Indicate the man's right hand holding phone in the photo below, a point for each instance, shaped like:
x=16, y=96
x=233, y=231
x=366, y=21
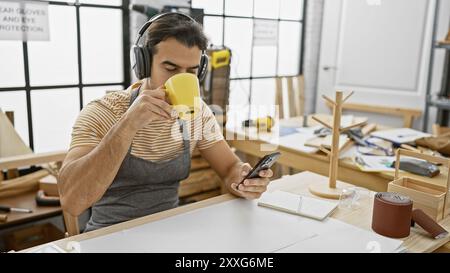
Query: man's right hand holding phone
x=249, y=188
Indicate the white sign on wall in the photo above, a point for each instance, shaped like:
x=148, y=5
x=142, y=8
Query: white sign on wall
x=265, y=32
x=24, y=21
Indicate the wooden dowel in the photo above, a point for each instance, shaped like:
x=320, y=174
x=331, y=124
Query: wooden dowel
x=348, y=96
x=334, y=155
x=322, y=122
x=329, y=100
x=325, y=150
x=411, y=148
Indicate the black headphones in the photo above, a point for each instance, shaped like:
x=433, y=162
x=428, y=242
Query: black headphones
x=141, y=56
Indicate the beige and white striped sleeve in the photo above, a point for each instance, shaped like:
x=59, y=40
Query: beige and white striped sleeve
x=92, y=124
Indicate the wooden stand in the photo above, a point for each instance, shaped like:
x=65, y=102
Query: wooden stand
x=332, y=191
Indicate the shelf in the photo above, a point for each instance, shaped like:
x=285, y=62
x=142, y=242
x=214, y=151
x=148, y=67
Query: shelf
x=444, y=46
x=440, y=102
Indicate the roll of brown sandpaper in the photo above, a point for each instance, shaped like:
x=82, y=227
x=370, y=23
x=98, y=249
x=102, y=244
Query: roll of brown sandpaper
x=392, y=214
x=3, y=217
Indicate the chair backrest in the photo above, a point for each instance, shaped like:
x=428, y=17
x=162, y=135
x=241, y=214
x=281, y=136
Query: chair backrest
x=407, y=114
x=70, y=221
x=295, y=93
x=71, y=224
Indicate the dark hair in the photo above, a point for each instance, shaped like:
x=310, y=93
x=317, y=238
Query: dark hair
x=184, y=30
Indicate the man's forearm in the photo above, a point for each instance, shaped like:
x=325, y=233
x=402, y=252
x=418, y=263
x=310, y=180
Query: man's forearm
x=85, y=180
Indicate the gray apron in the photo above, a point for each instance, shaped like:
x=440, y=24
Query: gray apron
x=141, y=187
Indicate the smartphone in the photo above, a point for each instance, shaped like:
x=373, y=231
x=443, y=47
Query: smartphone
x=264, y=164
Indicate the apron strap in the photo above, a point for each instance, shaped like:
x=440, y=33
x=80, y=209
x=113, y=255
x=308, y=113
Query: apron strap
x=134, y=95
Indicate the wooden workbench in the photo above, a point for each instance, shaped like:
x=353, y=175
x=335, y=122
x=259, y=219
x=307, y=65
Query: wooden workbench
x=417, y=241
x=319, y=163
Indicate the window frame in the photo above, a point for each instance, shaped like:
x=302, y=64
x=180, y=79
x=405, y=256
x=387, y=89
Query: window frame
x=126, y=60
x=278, y=20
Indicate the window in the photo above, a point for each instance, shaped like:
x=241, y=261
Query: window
x=48, y=82
x=254, y=66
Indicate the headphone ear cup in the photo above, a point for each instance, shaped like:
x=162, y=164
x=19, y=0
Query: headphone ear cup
x=147, y=62
x=136, y=60
x=203, y=68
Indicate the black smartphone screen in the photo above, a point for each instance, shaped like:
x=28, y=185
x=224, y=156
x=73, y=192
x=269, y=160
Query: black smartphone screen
x=265, y=163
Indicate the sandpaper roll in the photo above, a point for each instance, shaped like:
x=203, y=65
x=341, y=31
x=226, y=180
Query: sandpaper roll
x=428, y=224
x=392, y=214
x=3, y=217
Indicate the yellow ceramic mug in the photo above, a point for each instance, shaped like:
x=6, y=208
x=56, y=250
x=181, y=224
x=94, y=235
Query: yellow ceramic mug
x=183, y=91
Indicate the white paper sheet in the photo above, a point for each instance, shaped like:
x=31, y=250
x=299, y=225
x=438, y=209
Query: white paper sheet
x=237, y=226
x=233, y=226
x=374, y=163
x=298, y=204
x=344, y=238
x=400, y=135
x=296, y=141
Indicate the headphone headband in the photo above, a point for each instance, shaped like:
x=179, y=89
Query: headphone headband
x=157, y=17
x=141, y=56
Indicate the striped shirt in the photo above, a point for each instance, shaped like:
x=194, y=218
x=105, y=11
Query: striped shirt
x=157, y=141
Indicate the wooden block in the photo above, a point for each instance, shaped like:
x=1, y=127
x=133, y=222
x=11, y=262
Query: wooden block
x=200, y=197
x=198, y=182
x=12, y=173
x=443, y=249
x=3, y=217
x=31, y=159
x=196, y=153
x=198, y=164
x=327, y=141
x=49, y=185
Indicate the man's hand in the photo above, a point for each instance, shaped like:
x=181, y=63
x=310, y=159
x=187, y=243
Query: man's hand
x=250, y=188
x=149, y=106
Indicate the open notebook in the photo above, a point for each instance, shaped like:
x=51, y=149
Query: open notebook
x=298, y=204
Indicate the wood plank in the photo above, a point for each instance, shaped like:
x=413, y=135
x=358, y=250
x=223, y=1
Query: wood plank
x=198, y=164
x=291, y=97
x=31, y=159
x=25, y=183
x=12, y=173
x=397, y=111
x=201, y=196
x=199, y=181
x=195, y=153
x=279, y=96
x=443, y=249
x=301, y=94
